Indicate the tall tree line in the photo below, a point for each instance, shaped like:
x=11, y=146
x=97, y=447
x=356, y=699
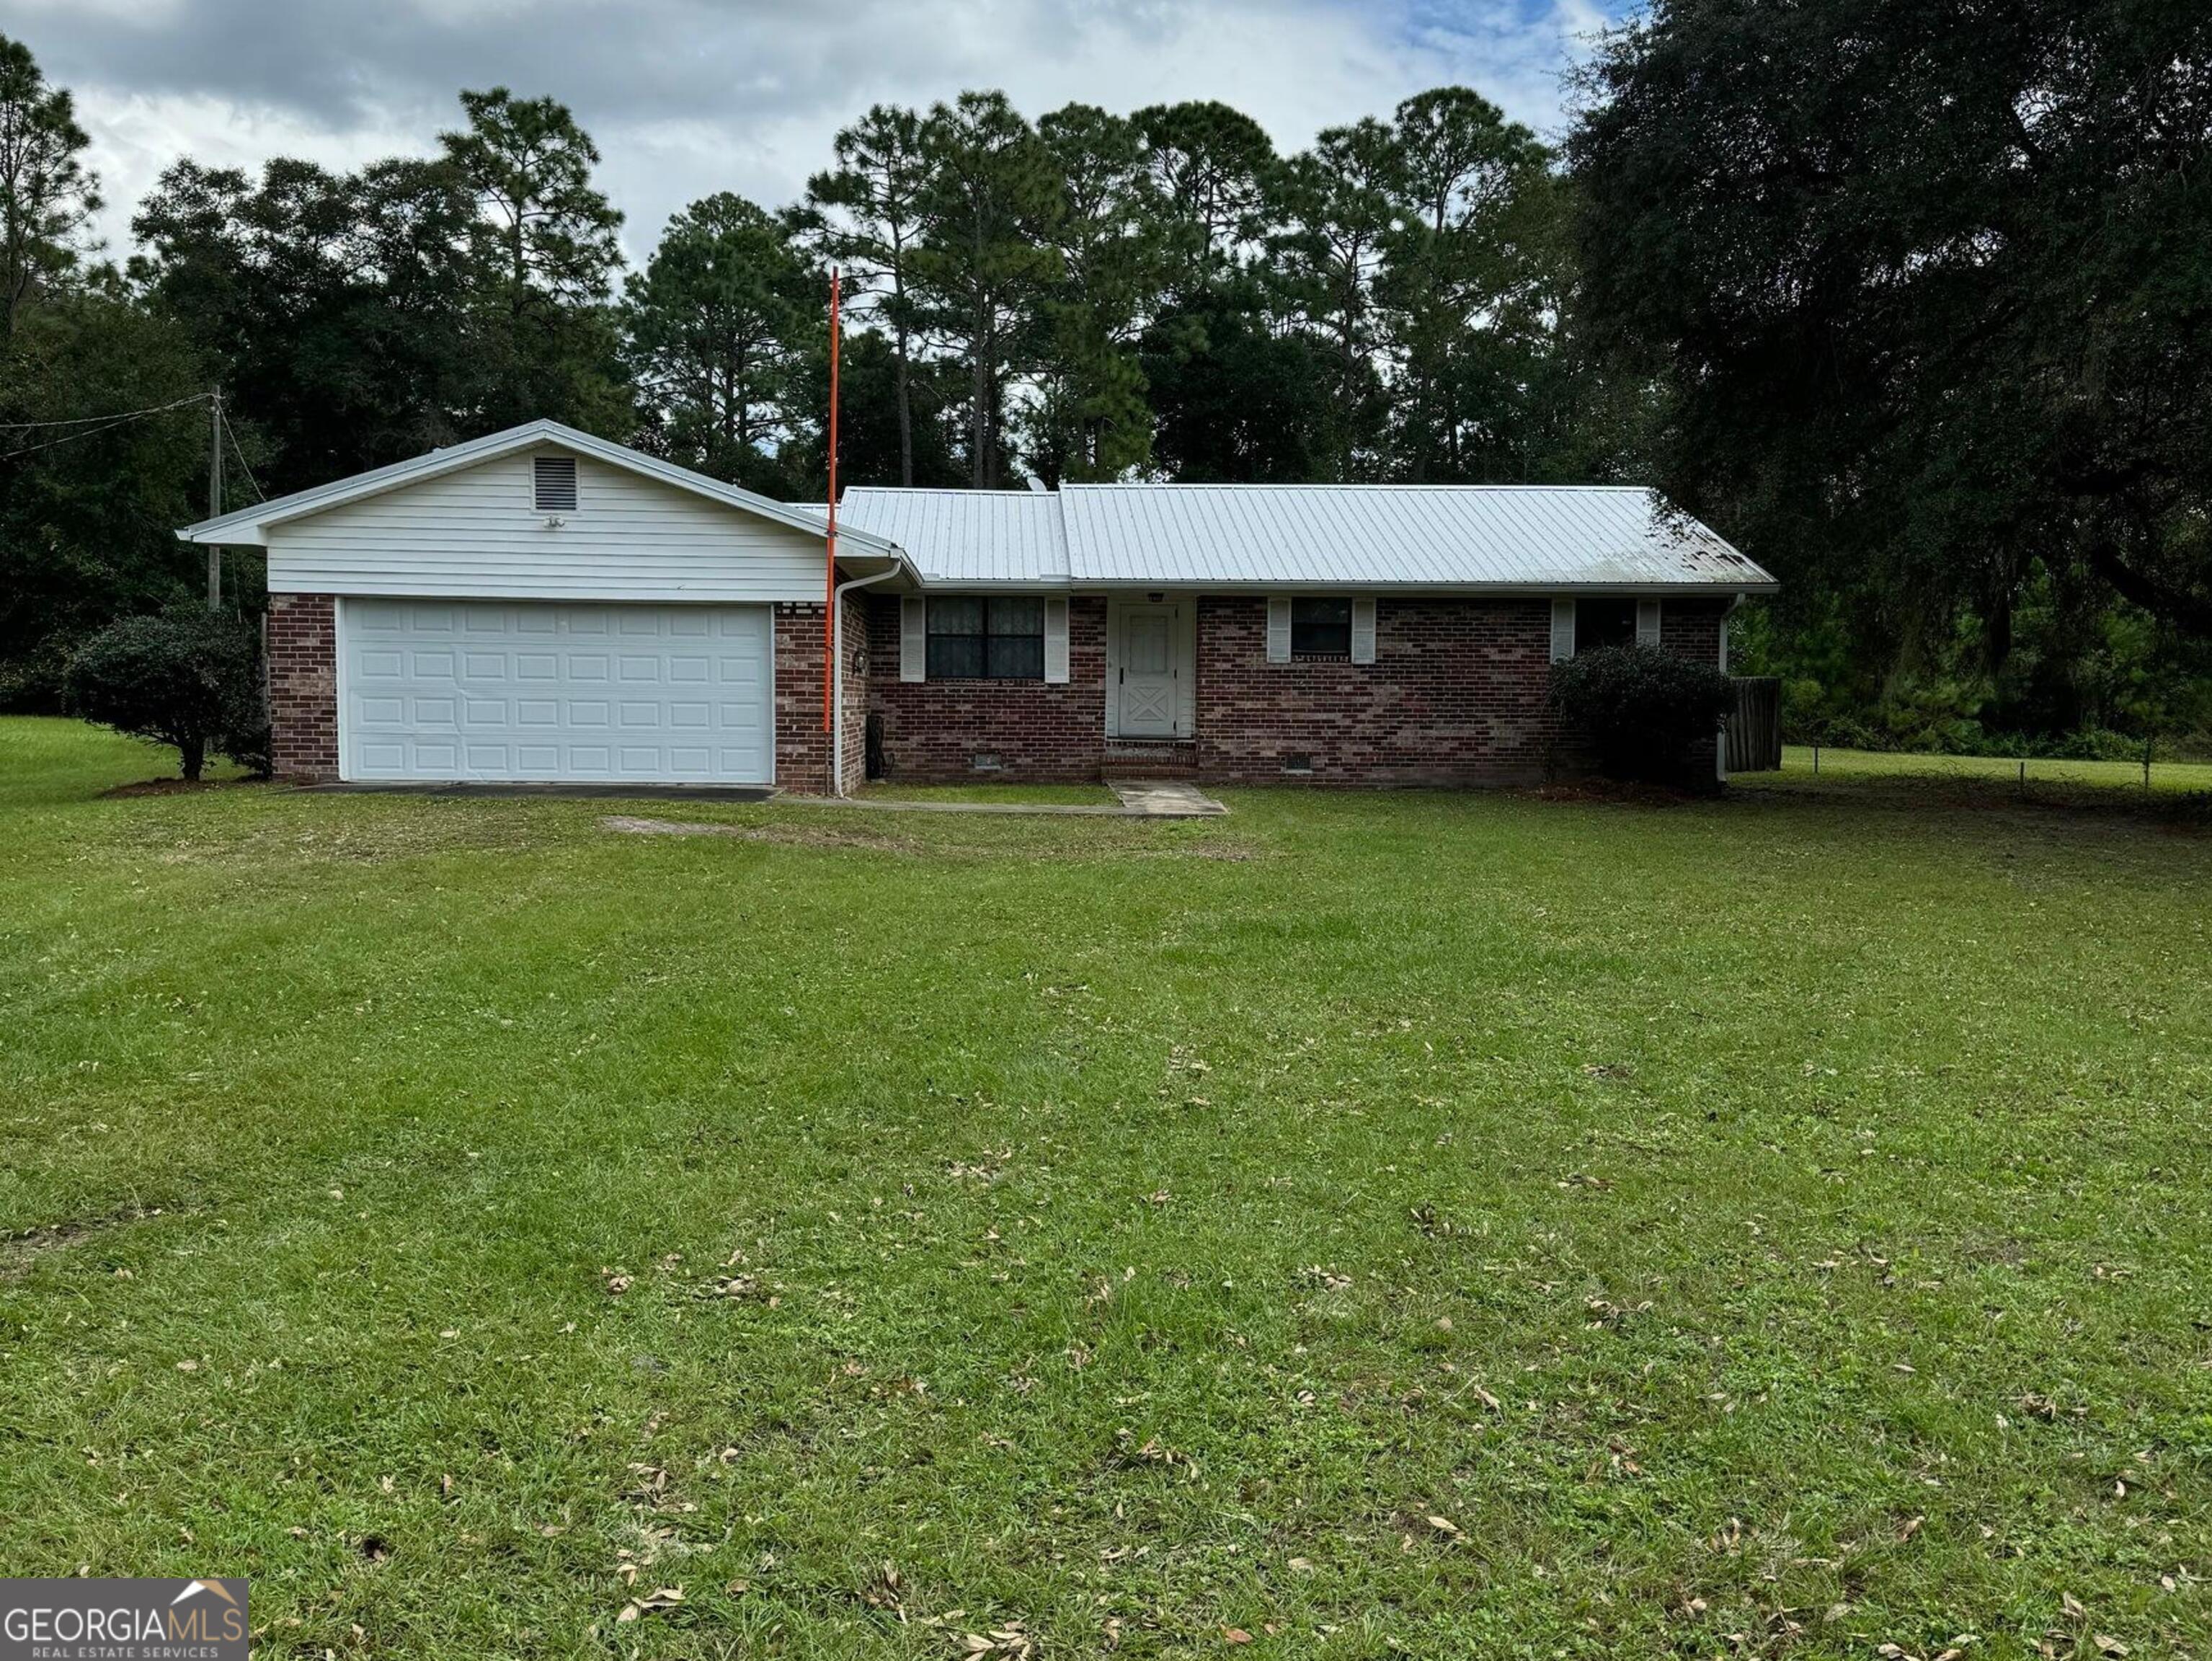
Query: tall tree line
x=1920, y=322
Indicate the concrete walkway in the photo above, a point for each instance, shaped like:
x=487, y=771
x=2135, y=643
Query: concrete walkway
x=1139, y=799
x=1165, y=799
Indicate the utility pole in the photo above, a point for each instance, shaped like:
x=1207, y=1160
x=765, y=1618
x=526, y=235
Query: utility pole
x=214, y=496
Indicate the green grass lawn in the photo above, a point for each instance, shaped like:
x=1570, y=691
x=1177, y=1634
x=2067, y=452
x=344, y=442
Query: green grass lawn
x=1373, y=1225
x=2184, y=777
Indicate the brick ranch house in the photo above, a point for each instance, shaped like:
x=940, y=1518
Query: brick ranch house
x=540, y=606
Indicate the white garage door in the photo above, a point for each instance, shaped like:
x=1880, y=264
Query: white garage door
x=540, y=692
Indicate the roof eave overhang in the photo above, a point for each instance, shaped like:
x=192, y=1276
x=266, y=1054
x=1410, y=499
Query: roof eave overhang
x=250, y=527
x=1186, y=585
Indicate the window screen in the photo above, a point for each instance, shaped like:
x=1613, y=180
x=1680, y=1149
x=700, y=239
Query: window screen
x=555, y=479
x=1321, y=628
x=972, y=639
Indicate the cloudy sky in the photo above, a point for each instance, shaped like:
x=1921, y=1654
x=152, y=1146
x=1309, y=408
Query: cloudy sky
x=685, y=97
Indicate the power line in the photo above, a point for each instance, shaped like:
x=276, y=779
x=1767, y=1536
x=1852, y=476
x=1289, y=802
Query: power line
x=71, y=438
x=223, y=415
x=87, y=421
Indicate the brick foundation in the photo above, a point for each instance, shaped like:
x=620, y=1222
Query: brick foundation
x=303, y=688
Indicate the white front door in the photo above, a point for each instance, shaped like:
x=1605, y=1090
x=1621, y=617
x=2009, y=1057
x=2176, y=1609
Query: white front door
x=550, y=692
x=1147, y=671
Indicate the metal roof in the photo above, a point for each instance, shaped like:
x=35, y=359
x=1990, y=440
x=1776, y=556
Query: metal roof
x=965, y=536
x=1528, y=538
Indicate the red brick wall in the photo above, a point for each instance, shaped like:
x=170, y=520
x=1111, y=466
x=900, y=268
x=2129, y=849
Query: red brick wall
x=1692, y=627
x=303, y=687
x=1456, y=695
x=934, y=730
x=802, y=748
x=802, y=752
x=858, y=646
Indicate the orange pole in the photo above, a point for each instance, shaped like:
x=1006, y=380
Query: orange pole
x=829, y=572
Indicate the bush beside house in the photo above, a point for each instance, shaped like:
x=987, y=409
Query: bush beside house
x=1648, y=715
x=190, y=680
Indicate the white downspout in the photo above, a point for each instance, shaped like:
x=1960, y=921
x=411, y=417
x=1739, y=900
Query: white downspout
x=1720, y=745
x=834, y=624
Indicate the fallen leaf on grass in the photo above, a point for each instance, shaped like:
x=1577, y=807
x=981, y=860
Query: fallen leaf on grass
x=1235, y=1635
x=662, y=1597
x=2108, y=1645
x=1150, y=1451
x=1009, y=1642
x=1910, y=1527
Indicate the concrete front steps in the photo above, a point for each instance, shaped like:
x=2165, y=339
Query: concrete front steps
x=1149, y=758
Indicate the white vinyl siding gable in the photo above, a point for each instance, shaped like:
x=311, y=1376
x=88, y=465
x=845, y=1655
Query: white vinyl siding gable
x=478, y=533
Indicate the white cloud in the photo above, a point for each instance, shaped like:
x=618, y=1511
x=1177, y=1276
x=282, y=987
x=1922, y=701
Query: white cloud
x=686, y=97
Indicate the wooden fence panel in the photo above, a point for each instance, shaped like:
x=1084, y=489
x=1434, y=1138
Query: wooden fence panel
x=1754, y=728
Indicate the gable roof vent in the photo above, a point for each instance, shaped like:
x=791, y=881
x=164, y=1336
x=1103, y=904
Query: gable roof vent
x=555, y=480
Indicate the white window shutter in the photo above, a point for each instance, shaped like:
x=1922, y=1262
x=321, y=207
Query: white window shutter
x=914, y=637
x=1647, y=623
x=1563, y=631
x=1363, y=631
x=1278, y=630
x=1055, y=642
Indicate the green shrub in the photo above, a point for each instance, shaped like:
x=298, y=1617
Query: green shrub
x=1642, y=710
x=191, y=680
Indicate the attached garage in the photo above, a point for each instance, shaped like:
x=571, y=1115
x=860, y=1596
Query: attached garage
x=540, y=606
x=538, y=692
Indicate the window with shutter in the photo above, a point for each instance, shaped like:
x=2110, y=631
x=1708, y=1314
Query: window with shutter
x=1599, y=623
x=976, y=639
x=554, y=482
